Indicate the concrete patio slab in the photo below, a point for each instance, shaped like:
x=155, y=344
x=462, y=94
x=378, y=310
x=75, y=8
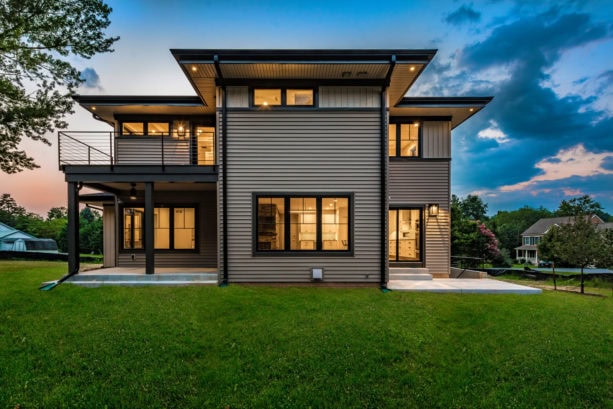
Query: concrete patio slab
x=468, y=286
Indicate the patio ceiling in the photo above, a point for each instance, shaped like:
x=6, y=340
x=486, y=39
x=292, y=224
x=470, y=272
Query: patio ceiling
x=396, y=68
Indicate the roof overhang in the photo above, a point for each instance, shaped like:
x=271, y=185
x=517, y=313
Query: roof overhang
x=395, y=69
x=106, y=107
x=459, y=109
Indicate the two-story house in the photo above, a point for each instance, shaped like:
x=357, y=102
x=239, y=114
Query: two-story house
x=528, y=252
x=288, y=166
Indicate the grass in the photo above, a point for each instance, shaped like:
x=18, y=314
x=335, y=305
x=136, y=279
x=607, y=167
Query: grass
x=249, y=347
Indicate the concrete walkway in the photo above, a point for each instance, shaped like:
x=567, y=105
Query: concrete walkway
x=464, y=285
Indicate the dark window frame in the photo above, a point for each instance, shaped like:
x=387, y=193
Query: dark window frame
x=145, y=128
x=284, y=104
x=422, y=235
x=172, y=206
x=404, y=121
x=318, y=251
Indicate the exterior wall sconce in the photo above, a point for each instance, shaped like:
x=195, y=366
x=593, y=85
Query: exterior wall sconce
x=133, y=192
x=433, y=210
x=181, y=130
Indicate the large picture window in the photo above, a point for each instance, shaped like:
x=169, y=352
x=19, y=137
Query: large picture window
x=310, y=223
x=145, y=128
x=174, y=228
x=404, y=140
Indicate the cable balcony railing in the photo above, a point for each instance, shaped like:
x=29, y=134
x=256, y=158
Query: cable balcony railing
x=110, y=148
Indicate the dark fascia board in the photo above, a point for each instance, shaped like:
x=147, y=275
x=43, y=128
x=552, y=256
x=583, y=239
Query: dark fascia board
x=431, y=102
x=174, y=100
x=304, y=56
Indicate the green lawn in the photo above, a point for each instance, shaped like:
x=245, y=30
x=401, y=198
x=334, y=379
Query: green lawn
x=249, y=347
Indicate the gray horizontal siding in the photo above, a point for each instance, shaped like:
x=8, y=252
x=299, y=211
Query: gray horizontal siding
x=436, y=139
x=205, y=255
x=421, y=183
x=349, y=97
x=311, y=152
x=148, y=150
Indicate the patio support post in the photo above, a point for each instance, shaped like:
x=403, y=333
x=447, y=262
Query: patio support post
x=73, y=228
x=149, y=240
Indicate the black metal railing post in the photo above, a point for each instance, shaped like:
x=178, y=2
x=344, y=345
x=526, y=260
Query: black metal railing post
x=163, y=161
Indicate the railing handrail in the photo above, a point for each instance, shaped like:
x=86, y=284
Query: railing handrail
x=88, y=146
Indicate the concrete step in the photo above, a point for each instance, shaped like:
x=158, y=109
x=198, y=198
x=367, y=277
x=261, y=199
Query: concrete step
x=405, y=273
x=94, y=280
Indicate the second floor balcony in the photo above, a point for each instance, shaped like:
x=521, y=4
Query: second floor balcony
x=110, y=148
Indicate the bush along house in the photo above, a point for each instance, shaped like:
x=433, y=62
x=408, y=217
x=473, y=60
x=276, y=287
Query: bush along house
x=288, y=166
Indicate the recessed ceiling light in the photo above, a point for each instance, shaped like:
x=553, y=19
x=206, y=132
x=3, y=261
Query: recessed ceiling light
x=471, y=109
x=412, y=68
x=194, y=68
x=93, y=108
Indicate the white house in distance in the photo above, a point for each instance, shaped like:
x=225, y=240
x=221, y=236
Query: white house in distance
x=286, y=166
x=531, y=237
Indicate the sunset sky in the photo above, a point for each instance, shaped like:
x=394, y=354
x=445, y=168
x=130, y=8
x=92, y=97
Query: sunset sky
x=546, y=136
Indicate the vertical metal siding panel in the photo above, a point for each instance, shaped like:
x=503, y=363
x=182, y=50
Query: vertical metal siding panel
x=436, y=139
x=421, y=183
x=293, y=152
x=349, y=97
x=108, y=234
x=238, y=97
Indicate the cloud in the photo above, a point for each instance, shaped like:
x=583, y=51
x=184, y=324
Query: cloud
x=90, y=78
x=463, y=15
x=493, y=132
x=575, y=161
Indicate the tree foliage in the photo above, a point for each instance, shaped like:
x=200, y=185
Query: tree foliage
x=37, y=38
x=509, y=225
x=55, y=226
x=470, y=237
x=583, y=205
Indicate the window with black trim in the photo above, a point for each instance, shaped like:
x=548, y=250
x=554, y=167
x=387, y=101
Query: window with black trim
x=404, y=140
x=174, y=228
x=309, y=223
x=142, y=128
x=290, y=97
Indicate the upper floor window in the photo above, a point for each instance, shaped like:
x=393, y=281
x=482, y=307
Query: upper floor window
x=263, y=97
x=531, y=240
x=404, y=140
x=145, y=128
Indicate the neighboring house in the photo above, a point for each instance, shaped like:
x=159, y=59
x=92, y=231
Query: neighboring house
x=528, y=251
x=288, y=166
x=15, y=240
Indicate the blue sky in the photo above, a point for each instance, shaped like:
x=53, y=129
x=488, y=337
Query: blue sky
x=549, y=65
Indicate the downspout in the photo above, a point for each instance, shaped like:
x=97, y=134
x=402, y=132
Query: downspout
x=224, y=170
x=73, y=230
x=384, y=166
x=224, y=186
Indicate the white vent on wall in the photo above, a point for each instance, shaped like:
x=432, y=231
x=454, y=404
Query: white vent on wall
x=317, y=273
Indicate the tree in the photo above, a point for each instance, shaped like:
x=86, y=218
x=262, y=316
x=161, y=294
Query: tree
x=37, y=38
x=509, y=225
x=577, y=206
x=550, y=249
x=57, y=213
x=10, y=211
x=90, y=231
x=473, y=208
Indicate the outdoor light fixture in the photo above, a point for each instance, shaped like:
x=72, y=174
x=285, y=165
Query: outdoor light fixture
x=433, y=210
x=181, y=130
x=133, y=192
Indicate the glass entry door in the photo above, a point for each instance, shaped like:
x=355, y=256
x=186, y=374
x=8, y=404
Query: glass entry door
x=404, y=235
